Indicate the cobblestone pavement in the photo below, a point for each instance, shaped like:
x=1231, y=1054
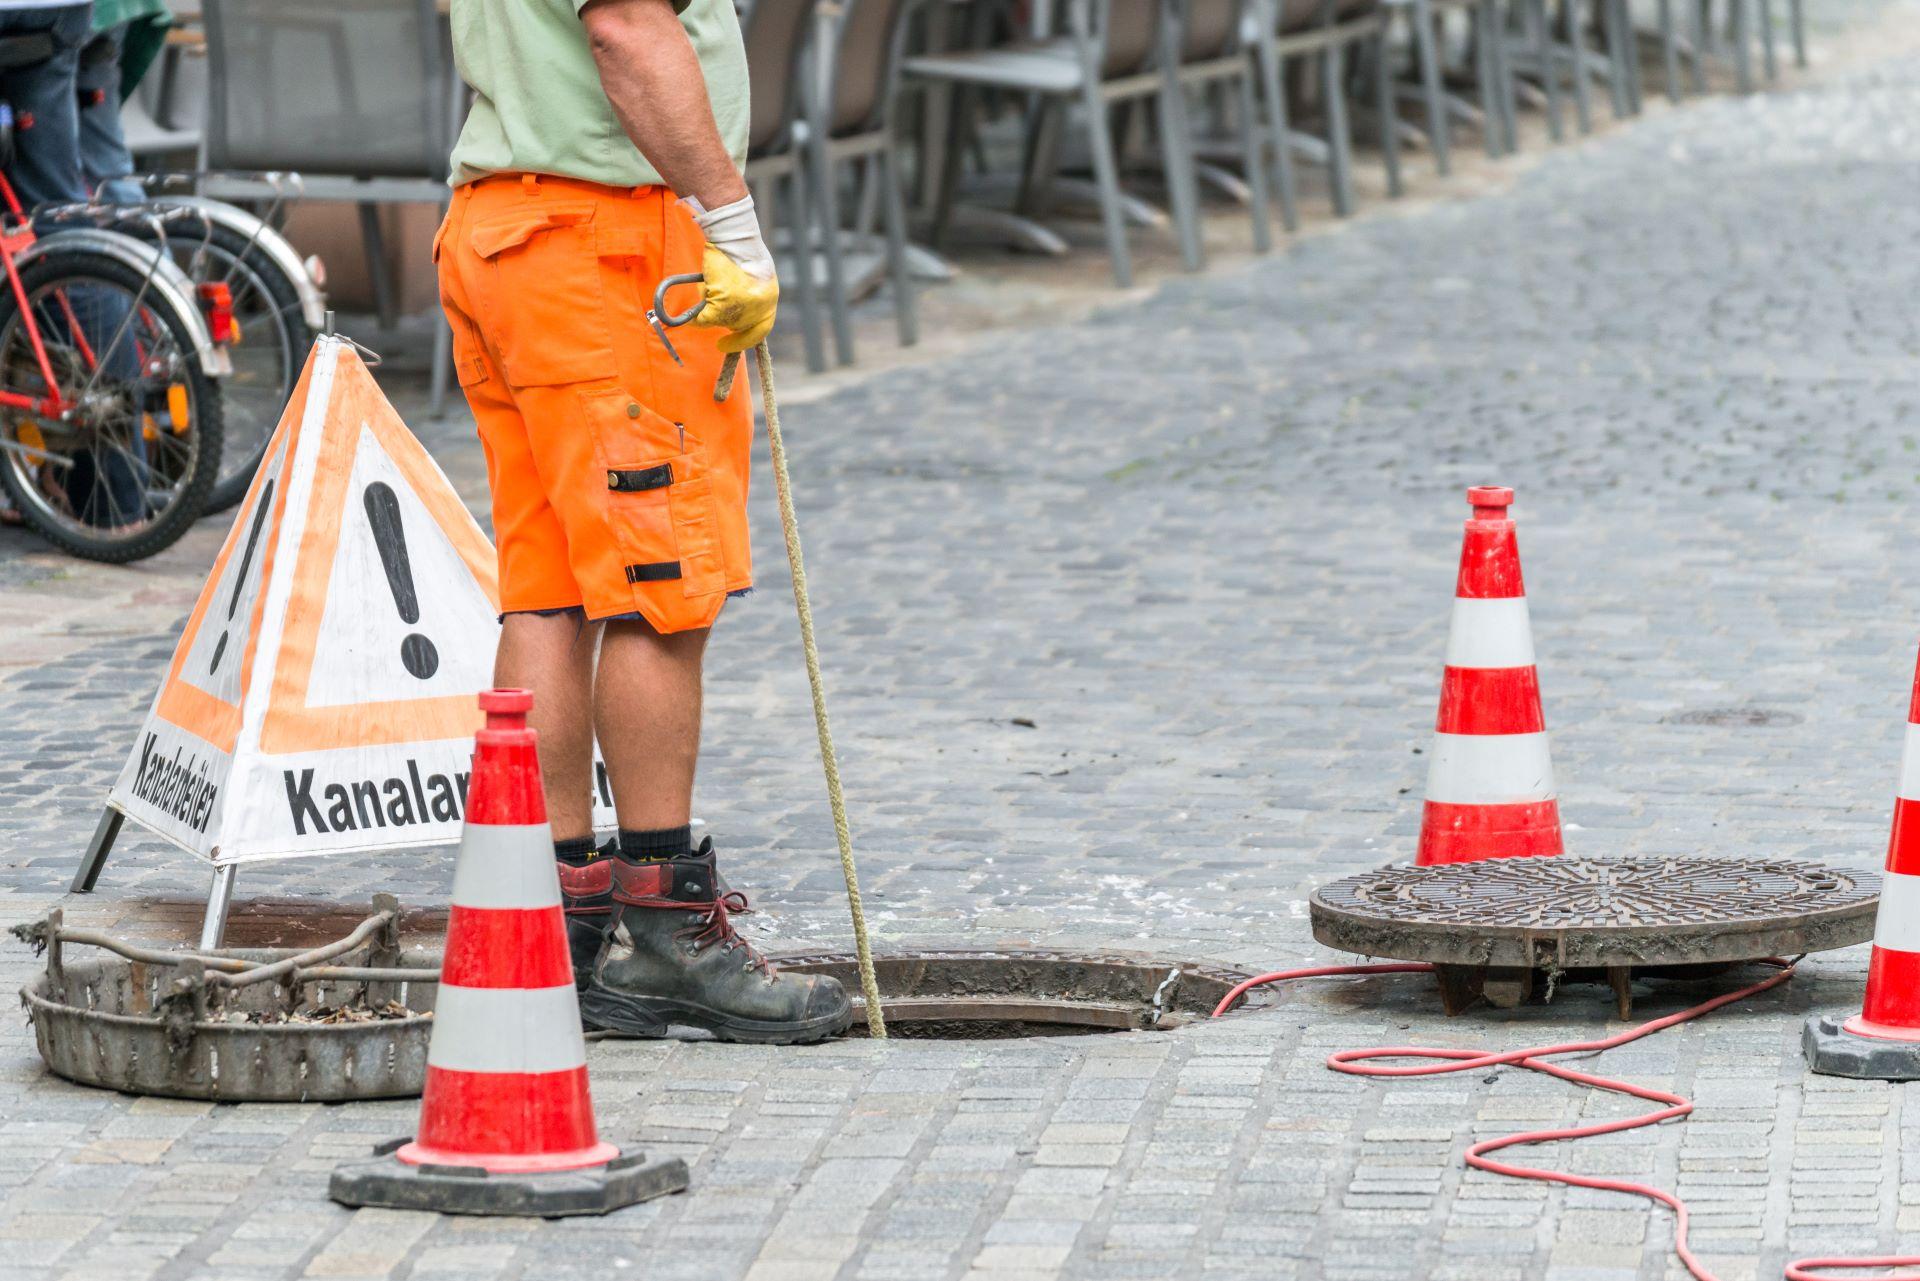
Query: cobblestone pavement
x=1204, y=544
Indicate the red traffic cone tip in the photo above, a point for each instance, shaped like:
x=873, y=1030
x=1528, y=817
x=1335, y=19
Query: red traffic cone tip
x=506, y=708
x=1891, y=1009
x=1489, y=550
x=505, y=789
x=1490, y=502
x=1490, y=791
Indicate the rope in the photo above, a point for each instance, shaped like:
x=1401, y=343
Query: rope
x=783, y=486
x=1534, y=1059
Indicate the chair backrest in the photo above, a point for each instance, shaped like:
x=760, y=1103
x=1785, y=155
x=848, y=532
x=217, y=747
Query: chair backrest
x=353, y=87
x=861, y=64
x=1132, y=34
x=775, y=33
x=1212, y=28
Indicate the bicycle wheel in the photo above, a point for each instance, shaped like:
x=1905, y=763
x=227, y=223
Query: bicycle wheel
x=267, y=355
x=127, y=468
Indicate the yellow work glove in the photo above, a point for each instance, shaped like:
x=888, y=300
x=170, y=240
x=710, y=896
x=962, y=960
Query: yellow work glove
x=741, y=289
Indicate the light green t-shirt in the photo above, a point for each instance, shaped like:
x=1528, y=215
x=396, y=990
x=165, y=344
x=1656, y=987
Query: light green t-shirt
x=538, y=104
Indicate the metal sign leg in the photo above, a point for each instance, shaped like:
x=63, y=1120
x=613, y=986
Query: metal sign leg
x=213, y=930
x=97, y=851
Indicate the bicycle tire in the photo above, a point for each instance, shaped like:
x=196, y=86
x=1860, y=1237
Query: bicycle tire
x=80, y=265
x=237, y=472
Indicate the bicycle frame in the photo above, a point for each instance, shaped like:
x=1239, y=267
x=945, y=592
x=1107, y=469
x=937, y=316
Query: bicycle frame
x=16, y=234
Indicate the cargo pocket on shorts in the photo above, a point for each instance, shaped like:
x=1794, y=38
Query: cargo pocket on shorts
x=659, y=498
x=540, y=292
x=469, y=361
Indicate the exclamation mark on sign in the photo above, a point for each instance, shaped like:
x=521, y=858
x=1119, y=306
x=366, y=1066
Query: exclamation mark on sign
x=246, y=563
x=390, y=536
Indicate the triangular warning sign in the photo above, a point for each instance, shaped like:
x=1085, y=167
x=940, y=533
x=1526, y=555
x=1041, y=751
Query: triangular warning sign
x=321, y=697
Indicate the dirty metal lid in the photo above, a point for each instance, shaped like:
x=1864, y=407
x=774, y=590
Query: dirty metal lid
x=1562, y=912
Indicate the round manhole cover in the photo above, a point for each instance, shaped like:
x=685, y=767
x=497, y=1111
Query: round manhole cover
x=1738, y=717
x=1562, y=912
x=995, y=995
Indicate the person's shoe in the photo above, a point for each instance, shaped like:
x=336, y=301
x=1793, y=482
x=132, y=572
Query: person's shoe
x=674, y=958
x=586, y=894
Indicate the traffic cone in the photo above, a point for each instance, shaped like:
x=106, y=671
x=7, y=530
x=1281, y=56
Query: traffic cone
x=506, y=1122
x=1882, y=1042
x=1490, y=781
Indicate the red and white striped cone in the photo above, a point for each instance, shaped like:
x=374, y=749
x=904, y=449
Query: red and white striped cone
x=1882, y=1042
x=1490, y=781
x=506, y=1121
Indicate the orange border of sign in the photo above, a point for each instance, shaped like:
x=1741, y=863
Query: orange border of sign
x=290, y=724
x=206, y=716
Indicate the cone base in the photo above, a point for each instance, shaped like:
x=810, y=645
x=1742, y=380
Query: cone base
x=1839, y=1048
x=390, y=1183
x=414, y=1152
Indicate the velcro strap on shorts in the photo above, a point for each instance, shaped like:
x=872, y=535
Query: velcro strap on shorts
x=640, y=480
x=659, y=571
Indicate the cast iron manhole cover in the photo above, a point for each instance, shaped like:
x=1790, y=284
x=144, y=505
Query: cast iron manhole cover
x=1748, y=717
x=999, y=994
x=1563, y=914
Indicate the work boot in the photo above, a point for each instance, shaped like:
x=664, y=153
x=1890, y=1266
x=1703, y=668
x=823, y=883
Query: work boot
x=587, y=895
x=674, y=958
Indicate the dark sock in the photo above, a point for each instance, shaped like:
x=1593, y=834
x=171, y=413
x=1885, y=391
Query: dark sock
x=653, y=847
x=576, y=851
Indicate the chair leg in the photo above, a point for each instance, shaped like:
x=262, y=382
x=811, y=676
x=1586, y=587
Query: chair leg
x=379, y=276
x=1484, y=71
x=1339, y=131
x=442, y=365
x=1106, y=177
x=1176, y=155
x=1541, y=39
x=1797, y=19
x=1383, y=104
x=1669, y=51
x=1630, y=42
x=893, y=214
x=1742, y=37
x=1573, y=15
x=1769, y=54
x=1503, y=78
x=800, y=239
x=1427, y=52
x=1697, y=36
x=826, y=209
x=1253, y=150
x=1273, y=95
x=1616, y=58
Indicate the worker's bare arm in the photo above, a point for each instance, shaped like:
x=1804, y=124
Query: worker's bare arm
x=652, y=77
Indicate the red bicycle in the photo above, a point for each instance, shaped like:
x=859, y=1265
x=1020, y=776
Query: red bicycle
x=110, y=416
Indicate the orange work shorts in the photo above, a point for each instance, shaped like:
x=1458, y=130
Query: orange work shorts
x=619, y=483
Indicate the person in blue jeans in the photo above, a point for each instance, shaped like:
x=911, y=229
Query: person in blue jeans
x=103, y=487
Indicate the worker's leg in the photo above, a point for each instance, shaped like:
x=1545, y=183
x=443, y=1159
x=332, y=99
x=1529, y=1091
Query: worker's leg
x=646, y=703
x=552, y=655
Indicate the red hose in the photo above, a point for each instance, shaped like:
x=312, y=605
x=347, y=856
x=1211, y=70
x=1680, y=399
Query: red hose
x=1357, y=1063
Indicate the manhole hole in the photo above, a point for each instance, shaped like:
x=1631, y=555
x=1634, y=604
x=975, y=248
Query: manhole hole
x=998, y=995
x=1739, y=717
x=1503, y=920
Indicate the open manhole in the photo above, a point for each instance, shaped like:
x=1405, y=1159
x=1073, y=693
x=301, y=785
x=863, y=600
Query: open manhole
x=969, y=995
x=1737, y=717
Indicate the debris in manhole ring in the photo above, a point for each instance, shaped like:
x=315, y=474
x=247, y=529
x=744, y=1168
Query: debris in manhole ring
x=348, y=1020
x=1001, y=994
x=1738, y=717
